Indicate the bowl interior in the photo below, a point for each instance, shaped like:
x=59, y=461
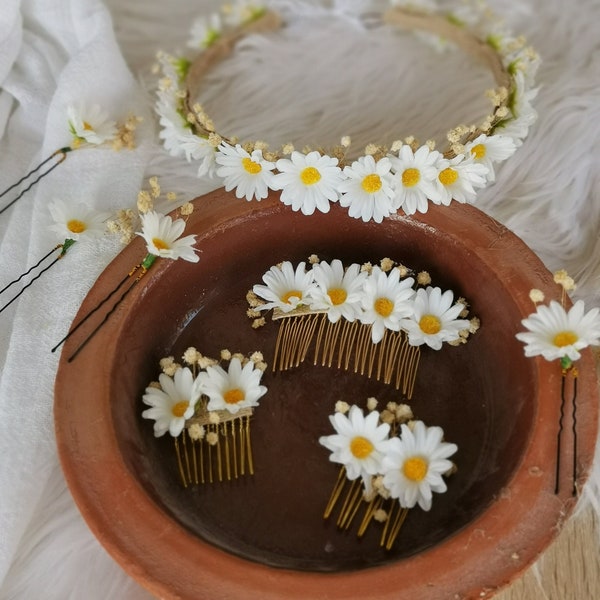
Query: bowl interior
x=483, y=399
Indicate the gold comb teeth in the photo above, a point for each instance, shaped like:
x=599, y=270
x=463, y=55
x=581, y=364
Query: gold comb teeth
x=371, y=320
x=207, y=410
x=389, y=464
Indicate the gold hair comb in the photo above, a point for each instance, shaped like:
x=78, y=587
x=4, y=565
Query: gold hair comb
x=208, y=413
x=367, y=319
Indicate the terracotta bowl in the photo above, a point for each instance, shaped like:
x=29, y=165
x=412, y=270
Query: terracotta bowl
x=264, y=537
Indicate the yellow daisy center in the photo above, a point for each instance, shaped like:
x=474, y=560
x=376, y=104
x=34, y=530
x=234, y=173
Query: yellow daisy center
x=371, y=183
x=361, y=447
x=87, y=126
x=448, y=176
x=479, y=151
x=430, y=324
x=160, y=244
x=250, y=166
x=564, y=338
x=383, y=307
x=411, y=177
x=337, y=296
x=76, y=226
x=310, y=176
x=415, y=468
x=291, y=294
x=233, y=396
x=179, y=408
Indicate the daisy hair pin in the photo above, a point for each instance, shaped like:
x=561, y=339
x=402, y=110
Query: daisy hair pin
x=389, y=464
x=72, y=222
x=558, y=334
x=90, y=127
x=407, y=176
x=371, y=320
x=207, y=410
x=163, y=237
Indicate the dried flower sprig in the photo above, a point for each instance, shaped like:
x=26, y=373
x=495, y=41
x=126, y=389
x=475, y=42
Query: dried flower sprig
x=556, y=333
x=407, y=176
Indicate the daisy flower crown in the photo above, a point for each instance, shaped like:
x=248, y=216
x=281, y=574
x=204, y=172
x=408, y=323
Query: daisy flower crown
x=408, y=175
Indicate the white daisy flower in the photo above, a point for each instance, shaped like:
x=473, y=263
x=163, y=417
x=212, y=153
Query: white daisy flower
x=238, y=387
x=487, y=150
x=386, y=301
x=90, y=125
x=435, y=318
x=555, y=333
x=162, y=236
x=368, y=191
x=284, y=288
x=198, y=148
x=359, y=444
x=250, y=174
x=171, y=404
x=459, y=178
x=336, y=291
x=308, y=182
x=414, y=465
x=415, y=174
x=174, y=127
x=76, y=221
x=205, y=31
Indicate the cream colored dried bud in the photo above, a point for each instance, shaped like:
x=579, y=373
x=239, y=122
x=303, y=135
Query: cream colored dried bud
x=191, y=118
x=464, y=334
x=313, y=259
x=257, y=357
x=345, y=141
x=205, y=361
x=371, y=149
x=423, y=278
x=225, y=354
x=372, y=403
x=396, y=145
x=404, y=413
x=214, y=139
x=342, y=407
x=387, y=416
x=171, y=196
x=144, y=202
x=453, y=136
x=410, y=140
x=474, y=325
x=270, y=156
x=186, y=209
x=456, y=342
x=380, y=515
x=502, y=112
x=458, y=149
x=155, y=384
x=171, y=369
x=260, y=145
x=366, y=267
x=212, y=437
x=536, y=295
x=248, y=147
x=196, y=431
x=404, y=271
x=252, y=299
x=562, y=278
x=430, y=144
x=214, y=418
x=190, y=356
x=155, y=186
x=386, y=264
x=258, y=323
x=287, y=149
x=307, y=150
x=239, y=356
x=112, y=226
x=261, y=366
x=166, y=361
x=252, y=314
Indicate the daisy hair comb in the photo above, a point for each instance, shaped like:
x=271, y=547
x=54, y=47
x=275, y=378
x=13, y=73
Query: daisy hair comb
x=371, y=320
x=207, y=410
x=389, y=464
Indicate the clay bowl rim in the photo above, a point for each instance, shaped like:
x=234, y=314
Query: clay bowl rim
x=506, y=538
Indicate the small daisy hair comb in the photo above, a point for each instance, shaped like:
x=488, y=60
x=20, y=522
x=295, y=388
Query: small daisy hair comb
x=408, y=175
x=558, y=334
x=389, y=464
x=207, y=410
x=364, y=318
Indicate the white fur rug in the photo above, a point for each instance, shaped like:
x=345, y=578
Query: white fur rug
x=322, y=77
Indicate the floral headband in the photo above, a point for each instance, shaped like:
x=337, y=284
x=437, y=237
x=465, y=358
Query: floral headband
x=407, y=175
